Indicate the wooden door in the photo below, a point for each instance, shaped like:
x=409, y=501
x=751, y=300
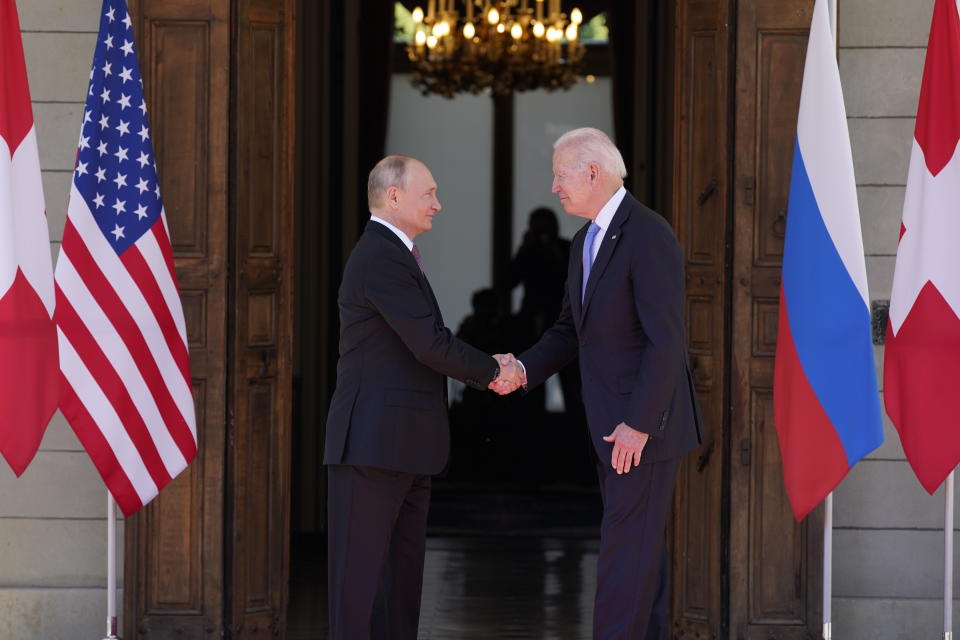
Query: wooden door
x=173, y=586
x=700, y=195
x=258, y=486
x=209, y=557
x=775, y=564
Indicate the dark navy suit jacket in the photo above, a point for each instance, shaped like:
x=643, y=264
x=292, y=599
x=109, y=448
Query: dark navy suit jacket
x=629, y=334
x=389, y=409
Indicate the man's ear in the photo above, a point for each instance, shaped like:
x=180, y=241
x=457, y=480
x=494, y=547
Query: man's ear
x=393, y=195
x=594, y=172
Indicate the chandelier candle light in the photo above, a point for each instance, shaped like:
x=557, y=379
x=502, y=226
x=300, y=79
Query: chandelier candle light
x=503, y=46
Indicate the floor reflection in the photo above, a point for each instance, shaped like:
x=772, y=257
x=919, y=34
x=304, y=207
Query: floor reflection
x=477, y=588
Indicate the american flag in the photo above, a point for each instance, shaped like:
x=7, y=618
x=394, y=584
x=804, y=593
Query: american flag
x=123, y=349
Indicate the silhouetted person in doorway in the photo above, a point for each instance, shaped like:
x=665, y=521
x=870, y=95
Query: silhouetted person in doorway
x=541, y=267
x=482, y=446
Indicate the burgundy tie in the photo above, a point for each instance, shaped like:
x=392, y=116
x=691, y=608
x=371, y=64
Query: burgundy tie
x=416, y=256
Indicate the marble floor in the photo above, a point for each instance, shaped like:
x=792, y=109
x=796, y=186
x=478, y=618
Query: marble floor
x=476, y=588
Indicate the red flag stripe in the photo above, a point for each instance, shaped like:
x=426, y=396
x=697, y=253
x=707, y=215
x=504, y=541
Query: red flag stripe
x=166, y=250
x=814, y=462
x=100, y=450
x=158, y=252
x=112, y=387
x=938, y=119
x=134, y=262
x=108, y=341
x=107, y=298
x=76, y=374
x=130, y=292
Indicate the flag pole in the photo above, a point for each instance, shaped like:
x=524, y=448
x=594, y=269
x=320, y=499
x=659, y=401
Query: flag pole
x=948, y=560
x=827, y=565
x=828, y=502
x=111, y=568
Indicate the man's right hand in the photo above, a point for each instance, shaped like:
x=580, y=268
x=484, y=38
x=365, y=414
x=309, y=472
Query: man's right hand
x=511, y=375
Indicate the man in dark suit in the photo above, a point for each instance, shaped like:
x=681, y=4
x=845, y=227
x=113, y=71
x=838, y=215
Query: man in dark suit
x=623, y=314
x=387, y=430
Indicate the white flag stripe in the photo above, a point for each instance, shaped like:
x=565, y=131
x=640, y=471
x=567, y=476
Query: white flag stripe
x=163, y=213
x=30, y=216
x=927, y=251
x=823, y=136
x=106, y=419
x=132, y=298
x=105, y=334
x=8, y=240
x=153, y=256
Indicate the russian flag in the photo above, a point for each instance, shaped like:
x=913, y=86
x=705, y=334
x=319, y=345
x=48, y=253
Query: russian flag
x=826, y=403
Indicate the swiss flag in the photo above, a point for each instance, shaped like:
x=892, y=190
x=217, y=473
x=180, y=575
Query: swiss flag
x=29, y=369
x=922, y=354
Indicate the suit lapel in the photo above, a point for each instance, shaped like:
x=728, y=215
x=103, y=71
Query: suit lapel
x=379, y=229
x=575, y=278
x=610, y=241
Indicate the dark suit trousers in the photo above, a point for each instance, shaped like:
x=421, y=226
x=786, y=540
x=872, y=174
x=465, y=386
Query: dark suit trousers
x=377, y=521
x=633, y=597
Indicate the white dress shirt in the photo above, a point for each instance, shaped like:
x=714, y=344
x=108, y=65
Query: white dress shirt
x=400, y=234
x=605, y=217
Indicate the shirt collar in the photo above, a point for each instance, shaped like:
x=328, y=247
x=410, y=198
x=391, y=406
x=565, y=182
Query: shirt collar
x=400, y=234
x=605, y=217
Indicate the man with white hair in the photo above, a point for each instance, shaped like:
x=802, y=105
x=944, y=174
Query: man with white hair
x=387, y=429
x=623, y=315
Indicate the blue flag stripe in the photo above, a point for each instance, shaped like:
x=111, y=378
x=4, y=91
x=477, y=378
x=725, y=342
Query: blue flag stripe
x=829, y=322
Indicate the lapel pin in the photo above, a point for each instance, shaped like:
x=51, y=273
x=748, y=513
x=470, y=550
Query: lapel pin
x=613, y=237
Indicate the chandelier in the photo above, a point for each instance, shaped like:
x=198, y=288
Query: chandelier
x=503, y=46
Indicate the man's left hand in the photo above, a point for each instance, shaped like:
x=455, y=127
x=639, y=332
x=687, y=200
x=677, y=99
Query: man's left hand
x=628, y=445
x=511, y=375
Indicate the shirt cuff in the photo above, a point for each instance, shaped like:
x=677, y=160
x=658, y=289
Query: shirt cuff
x=524, y=370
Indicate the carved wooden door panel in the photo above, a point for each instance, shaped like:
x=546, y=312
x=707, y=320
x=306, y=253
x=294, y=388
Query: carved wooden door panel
x=775, y=566
x=700, y=213
x=174, y=559
x=258, y=487
x=208, y=558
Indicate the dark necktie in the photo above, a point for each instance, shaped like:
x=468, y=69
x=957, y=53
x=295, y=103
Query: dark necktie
x=588, y=255
x=416, y=256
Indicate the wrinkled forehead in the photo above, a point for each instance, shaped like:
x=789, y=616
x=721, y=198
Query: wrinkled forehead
x=564, y=159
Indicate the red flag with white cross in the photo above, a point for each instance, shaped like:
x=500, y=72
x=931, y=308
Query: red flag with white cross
x=922, y=354
x=29, y=373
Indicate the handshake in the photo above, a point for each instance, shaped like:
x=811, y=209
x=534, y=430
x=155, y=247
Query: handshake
x=512, y=374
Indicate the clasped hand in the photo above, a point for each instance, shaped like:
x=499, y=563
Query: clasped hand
x=511, y=375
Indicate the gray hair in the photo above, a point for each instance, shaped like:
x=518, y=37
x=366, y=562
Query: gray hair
x=593, y=145
x=389, y=172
